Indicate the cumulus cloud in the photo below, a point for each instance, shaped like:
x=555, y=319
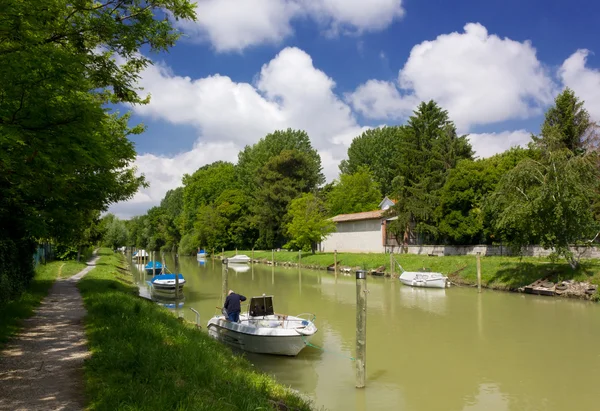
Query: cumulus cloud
x=488, y=144
x=478, y=77
x=289, y=92
x=584, y=81
x=233, y=25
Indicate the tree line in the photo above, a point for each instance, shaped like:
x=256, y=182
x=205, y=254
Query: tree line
x=275, y=196
x=64, y=156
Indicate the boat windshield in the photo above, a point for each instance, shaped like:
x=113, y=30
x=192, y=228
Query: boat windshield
x=261, y=306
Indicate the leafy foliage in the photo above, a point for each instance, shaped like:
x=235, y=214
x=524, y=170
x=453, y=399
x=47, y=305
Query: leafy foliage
x=307, y=224
x=354, y=193
x=380, y=150
x=549, y=201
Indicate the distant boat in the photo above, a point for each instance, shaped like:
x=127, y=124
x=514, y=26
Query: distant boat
x=167, y=282
x=140, y=254
x=154, y=267
x=262, y=331
x=424, y=279
x=237, y=259
x=201, y=254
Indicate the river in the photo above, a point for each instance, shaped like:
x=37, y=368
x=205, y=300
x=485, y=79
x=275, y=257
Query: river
x=427, y=349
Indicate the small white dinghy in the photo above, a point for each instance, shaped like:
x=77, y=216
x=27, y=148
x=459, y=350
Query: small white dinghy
x=237, y=259
x=424, y=279
x=262, y=331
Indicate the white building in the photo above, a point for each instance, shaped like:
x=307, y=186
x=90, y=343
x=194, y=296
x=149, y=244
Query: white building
x=359, y=232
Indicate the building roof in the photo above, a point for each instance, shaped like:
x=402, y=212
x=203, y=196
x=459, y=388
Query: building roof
x=367, y=215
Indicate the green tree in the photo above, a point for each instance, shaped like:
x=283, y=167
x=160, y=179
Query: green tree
x=116, y=234
x=461, y=214
x=354, y=193
x=549, y=201
x=283, y=178
x=380, y=150
x=203, y=187
x=63, y=156
x=431, y=148
x=253, y=158
x=307, y=224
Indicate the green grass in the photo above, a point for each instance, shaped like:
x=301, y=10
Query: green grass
x=503, y=273
x=144, y=358
x=13, y=313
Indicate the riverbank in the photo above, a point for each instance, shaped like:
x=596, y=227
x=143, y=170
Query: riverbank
x=498, y=273
x=144, y=358
x=13, y=313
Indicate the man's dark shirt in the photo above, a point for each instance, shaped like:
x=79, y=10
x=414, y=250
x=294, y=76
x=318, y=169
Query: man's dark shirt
x=232, y=303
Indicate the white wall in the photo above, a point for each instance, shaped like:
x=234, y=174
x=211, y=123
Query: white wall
x=362, y=236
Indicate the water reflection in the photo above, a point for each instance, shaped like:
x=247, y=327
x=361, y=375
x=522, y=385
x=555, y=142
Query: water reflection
x=427, y=349
x=239, y=268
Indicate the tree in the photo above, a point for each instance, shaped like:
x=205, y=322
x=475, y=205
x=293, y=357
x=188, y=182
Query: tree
x=380, y=150
x=430, y=149
x=307, y=224
x=203, y=187
x=254, y=157
x=354, y=193
x=116, y=234
x=461, y=214
x=63, y=156
x=549, y=200
x=283, y=178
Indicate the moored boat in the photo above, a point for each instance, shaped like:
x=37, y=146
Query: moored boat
x=424, y=279
x=262, y=331
x=237, y=259
x=167, y=282
x=154, y=267
x=201, y=254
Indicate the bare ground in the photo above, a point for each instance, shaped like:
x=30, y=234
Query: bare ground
x=42, y=368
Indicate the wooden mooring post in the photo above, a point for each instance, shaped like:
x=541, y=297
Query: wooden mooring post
x=299, y=257
x=224, y=289
x=153, y=263
x=361, y=327
x=478, y=272
x=162, y=270
x=391, y=263
x=273, y=256
x=176, y=280
x=252, y=255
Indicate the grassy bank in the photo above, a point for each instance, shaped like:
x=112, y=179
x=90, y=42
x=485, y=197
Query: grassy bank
x=144, y=358
x=504, y=273
x=13, y=313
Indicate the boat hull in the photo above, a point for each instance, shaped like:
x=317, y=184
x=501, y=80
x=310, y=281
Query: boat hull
x=425, y=280
x=260, y=344
x=238, y=259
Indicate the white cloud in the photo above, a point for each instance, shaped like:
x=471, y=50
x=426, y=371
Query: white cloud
x=584, y=81
x=479, y=78
x=488, y=144
x=289, y=92
x=233, y=25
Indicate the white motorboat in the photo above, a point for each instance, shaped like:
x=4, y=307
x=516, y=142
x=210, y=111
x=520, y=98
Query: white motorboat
x=238, y=259
x=167, y=282
x=424, y=279
x=262, y=331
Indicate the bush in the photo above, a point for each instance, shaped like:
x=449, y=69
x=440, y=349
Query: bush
x=16, y=267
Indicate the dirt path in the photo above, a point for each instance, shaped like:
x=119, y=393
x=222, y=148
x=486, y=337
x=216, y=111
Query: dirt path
x=41, y=369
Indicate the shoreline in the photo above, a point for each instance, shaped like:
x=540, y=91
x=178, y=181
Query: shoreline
x=509, y=274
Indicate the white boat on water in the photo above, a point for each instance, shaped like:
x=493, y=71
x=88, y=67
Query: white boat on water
x=238, y=259
x=424, y=279
x=167, y=282
x=262, y=331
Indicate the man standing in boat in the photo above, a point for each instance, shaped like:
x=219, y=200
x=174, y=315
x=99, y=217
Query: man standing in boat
x=233, y=306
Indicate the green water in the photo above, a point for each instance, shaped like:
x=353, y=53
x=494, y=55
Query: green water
x=431, y=349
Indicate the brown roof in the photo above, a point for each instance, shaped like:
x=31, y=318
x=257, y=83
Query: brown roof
x=367, y=215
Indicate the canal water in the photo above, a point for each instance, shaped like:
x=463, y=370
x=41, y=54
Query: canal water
x=427, y=349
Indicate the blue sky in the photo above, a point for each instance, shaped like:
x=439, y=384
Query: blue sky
x=337, y=67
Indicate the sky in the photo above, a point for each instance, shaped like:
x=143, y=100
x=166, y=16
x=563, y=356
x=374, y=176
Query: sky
x=336, y=68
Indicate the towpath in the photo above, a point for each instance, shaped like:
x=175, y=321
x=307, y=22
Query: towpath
x=42, y=368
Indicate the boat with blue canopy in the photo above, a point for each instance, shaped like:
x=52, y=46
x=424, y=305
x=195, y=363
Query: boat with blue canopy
x=167, y=282
x=154, y=267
